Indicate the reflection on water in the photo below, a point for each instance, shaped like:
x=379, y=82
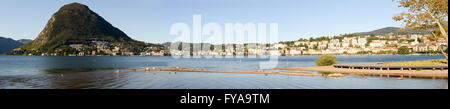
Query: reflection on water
x=95, y=72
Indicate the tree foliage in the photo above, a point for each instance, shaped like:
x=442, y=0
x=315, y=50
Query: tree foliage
x=403, y=50
x=326, y=60
x=425, y=14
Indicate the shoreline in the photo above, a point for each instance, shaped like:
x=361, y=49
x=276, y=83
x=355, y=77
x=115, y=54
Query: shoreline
x=215, y=71
x=243, y=56
x=381, y=73
x=299, y=71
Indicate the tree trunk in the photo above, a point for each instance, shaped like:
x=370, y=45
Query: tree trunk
x=445, y=54
x=443, y=32
x=439, y=47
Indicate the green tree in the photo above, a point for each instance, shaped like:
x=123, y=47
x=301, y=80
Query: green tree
x=403, y=50
x=315, y=46
x=326, y=60
x=351, y=44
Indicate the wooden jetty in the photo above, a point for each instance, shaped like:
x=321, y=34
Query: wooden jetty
x=377, y=66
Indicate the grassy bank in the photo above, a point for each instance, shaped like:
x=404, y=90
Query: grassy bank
x=422, y=62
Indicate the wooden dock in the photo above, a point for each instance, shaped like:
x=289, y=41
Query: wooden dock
x=376, y=66
x=437, y=74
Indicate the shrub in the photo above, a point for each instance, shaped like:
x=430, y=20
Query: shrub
x=326, y=60
x=325, y=73
x=419, y=69
x=403, y=50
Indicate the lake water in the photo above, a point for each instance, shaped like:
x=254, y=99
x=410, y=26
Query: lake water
x=46, y=72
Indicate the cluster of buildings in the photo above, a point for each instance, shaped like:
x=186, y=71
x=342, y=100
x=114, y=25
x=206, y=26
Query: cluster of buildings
x=223, y=50
x=96, y=48
x=370, y=44
x=380, y=44
x=366, y=44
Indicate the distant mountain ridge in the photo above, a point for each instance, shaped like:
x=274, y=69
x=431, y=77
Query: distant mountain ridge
x=394, y=30
x=8, y=44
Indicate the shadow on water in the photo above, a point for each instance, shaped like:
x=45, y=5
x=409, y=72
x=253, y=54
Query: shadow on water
x=86, y=78
x=67, y=78
x=78, y=62
x=89, y=71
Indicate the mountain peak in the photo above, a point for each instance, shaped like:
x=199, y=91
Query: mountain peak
x=74, y=5
x=75, y=23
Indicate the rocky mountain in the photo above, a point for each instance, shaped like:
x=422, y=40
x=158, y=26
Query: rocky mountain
x=75, y=23
x=8, y=44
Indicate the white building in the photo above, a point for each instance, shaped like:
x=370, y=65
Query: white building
x=297, y=43
x=362, y=42
x=279, y=46
x=377, y=43
x=346, y=42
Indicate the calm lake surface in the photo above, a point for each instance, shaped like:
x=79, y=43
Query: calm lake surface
x=88, y=72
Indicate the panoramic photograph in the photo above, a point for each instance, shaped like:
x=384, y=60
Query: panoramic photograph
x=224, y=44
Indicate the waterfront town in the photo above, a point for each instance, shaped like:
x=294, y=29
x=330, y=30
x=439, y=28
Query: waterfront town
x=380, y=44
x=344, y=44
x=338, y=45
x=100, y=48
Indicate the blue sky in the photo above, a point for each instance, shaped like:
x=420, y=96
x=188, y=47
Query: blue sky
x=150, y=20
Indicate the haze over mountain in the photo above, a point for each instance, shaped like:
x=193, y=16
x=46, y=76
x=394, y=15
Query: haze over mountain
x=24, y=41
x=75, y=23
x=8, y=44
x=394, y=30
